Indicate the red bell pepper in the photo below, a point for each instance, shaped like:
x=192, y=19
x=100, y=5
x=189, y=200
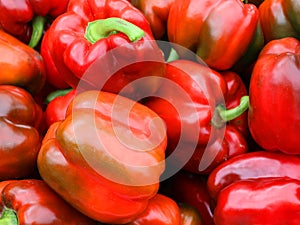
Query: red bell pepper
x=273, y=201
x=189, y=188
x=189, y=215
x=25, y=20
x=252, y=165
x=20, y=65
x=104, y=159
x=33, y=202
x=106, y=45
x=20, y=121
x=53, y=77
x=279, y=19
x=58, y=103
x=199, y=134
x=161, y=210
x=274, y=92
x=221, y=33
x=157, y=13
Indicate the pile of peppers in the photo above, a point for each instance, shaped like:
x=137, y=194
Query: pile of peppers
x=149, y=112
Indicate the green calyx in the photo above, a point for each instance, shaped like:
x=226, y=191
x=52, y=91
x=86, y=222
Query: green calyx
x=103, y=28
x=8, y=217
x=56, y=94
x=38, y=24
x=223, y=115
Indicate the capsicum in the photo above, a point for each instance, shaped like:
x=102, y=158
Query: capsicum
x=274, y=92
x=20, y=65
x=252, y=165
x=157, y=13
x=106, y=157
x=20, y=123
x=222, y=33
x=106, y=45
x=207, y=119
x=33, y=202
x=279, y=19
x=273, y=201
x=25, y=20
x=161, y=210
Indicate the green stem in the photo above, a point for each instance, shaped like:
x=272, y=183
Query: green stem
x=8, y=217
x=103, y=28
x=38, y=24
x=56, y=94
x=173, y=55
x=223, y=115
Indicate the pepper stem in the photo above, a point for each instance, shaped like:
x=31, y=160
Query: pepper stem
x=38, y=24
x=57, y=93
x=103, y=28
x=223, y=115
x=8, y=217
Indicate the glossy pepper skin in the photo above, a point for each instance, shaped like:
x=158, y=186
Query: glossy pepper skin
x=111, y=155
x=198, y=138
x=20, y=65
x=161, y=210
x=20, y=122
x=220, y=32
x=190, y=189
x=279, y=19
x=57, y=107
x=274, y=93
x=33, y=202
x=53, y=76
x=118, y=40
x=25, y=19
x=189, y=215
x=157, y=13
x=259, y=201
x=252, y=165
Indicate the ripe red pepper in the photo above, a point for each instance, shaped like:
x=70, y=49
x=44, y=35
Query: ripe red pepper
x=222, y=33
x=25, y=20
x=53, y=76
x=252, y=165
x=33, y=202
x=104, y=159
x=20, y=122
x=273, y=201
x=199, y=134
x=58, y=103
x=274, y=92
x=118, y=40
x=20, y=65
x=157, y=13
x=279, y=19
x=161, y=210
x=189, y=188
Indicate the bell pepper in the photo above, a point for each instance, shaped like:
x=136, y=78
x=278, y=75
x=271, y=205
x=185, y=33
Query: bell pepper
x=274, y=93
x=189, y=215
x=106, y=45
x=222, y=33
x=20, y=65
x=58, y=103
x=189, y=188
x=200, y=135
x=252, y=165
x=161, y=210
x=33, y=202
x=259, y=201
x=20, y=121
x=157, y=13
x=279, y=19
x=106, y=157
x=53, y=76
x=25, y=20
